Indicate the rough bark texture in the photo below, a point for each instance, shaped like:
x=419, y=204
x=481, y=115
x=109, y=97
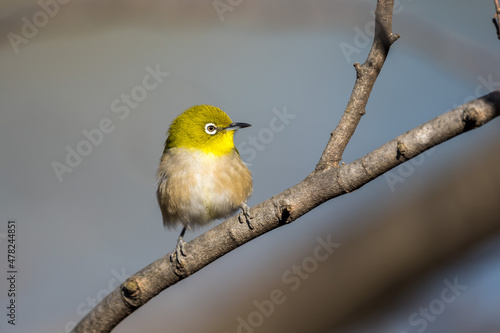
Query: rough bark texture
x=327, y=181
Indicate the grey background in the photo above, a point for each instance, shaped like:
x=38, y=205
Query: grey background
x=101, y=222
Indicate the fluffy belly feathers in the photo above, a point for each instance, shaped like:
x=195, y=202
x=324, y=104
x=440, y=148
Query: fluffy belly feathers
x=195, y=188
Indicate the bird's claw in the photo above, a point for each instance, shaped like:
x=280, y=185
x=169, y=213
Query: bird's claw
x=245, y=213
x=179, y=251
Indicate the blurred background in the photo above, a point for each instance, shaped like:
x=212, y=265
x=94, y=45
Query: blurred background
x=89, y=88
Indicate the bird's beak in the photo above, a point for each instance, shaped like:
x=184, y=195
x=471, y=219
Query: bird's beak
x=235, y=126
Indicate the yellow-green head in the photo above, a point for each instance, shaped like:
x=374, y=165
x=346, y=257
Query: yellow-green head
x=203, y=127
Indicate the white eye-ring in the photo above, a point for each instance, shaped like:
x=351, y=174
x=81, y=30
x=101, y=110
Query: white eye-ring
x=210, y=128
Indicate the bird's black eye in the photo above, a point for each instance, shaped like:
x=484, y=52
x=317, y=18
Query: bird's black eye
x=210, y=128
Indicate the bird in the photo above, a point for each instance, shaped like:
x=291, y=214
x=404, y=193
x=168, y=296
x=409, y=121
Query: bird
x=201, y=177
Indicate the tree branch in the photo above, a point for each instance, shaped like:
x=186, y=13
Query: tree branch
x=323, y=184
x=407, y=239
x=496, y=18
x=365, y=79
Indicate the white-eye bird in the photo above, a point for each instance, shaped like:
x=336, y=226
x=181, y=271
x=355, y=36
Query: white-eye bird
x=201, y=176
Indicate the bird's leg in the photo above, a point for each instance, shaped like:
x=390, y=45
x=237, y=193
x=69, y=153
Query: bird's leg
x=179, y=248
x=245, y=212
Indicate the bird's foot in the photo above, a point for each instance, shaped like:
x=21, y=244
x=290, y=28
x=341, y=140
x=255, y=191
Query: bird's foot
x=179, y=249
x=245, y=214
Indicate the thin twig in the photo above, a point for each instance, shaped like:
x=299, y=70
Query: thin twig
x=496, y=18
x=367, y=73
